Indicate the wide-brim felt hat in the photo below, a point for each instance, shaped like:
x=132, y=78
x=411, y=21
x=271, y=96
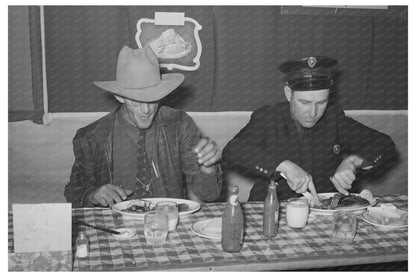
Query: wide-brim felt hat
x=310, y=73
x=138, y=76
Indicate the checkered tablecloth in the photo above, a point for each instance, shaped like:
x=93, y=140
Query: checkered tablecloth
x=185, y=250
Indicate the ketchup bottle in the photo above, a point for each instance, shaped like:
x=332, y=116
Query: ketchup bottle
x=232, y=223
x=271, y=212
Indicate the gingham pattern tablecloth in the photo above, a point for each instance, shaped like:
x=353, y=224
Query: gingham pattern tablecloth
x=185, y=250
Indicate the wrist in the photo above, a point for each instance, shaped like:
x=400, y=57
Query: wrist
x=90, y=198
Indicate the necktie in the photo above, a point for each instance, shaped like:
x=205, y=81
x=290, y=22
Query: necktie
x=143, y=170
x=307, y=151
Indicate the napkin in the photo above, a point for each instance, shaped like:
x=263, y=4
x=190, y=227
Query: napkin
x=42, y=227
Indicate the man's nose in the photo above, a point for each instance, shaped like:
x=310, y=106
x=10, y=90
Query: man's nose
x=145, y=108
x=313, y=111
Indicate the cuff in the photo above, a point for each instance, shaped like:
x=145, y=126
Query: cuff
x=86, y=197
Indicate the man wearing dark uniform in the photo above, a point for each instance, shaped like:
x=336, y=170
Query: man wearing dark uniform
x=309, y=140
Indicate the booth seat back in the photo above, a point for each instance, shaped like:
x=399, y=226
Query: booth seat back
x=41, y=157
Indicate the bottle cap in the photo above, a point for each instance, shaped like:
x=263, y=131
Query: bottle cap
x=272, y=184
x=233, y=189
x=82, y=234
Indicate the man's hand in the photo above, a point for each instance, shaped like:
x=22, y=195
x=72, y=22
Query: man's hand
x=344, y=176
x=108, y=195
x=208, y=154
x=298, y=179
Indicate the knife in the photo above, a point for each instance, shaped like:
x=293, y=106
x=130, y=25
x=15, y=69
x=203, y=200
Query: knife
x=274, y=176
x=97, y=227
x=307, y=194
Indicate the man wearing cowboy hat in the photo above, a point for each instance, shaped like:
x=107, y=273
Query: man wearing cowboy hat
x=310, y=142
x=142, y=149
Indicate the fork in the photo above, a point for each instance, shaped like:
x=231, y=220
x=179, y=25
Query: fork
x=334, y=201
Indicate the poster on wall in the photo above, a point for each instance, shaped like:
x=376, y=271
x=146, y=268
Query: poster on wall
x=173, y=37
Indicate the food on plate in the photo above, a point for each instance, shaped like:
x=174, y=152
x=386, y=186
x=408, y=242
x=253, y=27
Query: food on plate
x=183, y=207
x=134, y=209
x=138, y=206
x=350, y=201
x=367, y=195
x=387, y=214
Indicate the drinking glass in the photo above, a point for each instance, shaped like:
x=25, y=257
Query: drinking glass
x=155, y=227
x=344, y=225
x=170, y=209
x=297, y=213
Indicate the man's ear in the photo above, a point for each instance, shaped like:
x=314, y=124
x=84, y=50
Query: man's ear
x=119, y=98
x=288, y=93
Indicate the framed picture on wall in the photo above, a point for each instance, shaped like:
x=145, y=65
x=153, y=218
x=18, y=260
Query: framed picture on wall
x=173, y=37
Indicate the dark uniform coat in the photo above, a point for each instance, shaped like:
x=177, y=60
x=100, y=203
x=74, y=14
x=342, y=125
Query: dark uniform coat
x=271, y=137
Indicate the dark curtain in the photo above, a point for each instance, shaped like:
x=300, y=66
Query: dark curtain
x=36, y=56
x=387, y=84
x=82, y=46
x=252, y=45
x=242, y=47
x=23, y=111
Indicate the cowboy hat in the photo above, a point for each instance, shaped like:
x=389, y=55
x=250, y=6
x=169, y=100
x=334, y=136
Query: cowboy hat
x=138, y=76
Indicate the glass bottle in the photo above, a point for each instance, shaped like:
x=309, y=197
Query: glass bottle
x=82, y=245
x=271, y=212
x=232, y=223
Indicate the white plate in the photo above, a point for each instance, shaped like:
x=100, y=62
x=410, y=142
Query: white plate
x=367, y=219
x=193, y=206
x=326, y=195
x=200, y=228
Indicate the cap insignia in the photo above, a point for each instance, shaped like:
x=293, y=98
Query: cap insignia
x=336, y=149
x=311, y=62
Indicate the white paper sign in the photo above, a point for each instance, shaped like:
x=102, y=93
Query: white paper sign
x=169, y=18
x=42, y=227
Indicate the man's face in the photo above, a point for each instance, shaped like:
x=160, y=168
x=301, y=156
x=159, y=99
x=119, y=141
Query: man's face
x=307, y=107
x=140, y=114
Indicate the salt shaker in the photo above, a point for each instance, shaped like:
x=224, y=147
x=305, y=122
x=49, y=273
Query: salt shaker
x=82, y=245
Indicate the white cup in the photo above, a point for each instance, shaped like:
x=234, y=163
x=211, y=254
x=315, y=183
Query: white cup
x=297, y=212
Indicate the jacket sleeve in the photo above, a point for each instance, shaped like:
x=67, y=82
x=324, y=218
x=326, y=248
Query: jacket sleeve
x=82, y=180
x=372, y=146
x=247, y=150
x=206, y=186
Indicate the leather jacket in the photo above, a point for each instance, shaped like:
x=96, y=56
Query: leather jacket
x=173, y=135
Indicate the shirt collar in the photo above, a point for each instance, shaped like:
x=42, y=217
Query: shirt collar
x=301, y=130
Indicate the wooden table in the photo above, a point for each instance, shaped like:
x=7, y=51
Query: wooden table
x=311, y=247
